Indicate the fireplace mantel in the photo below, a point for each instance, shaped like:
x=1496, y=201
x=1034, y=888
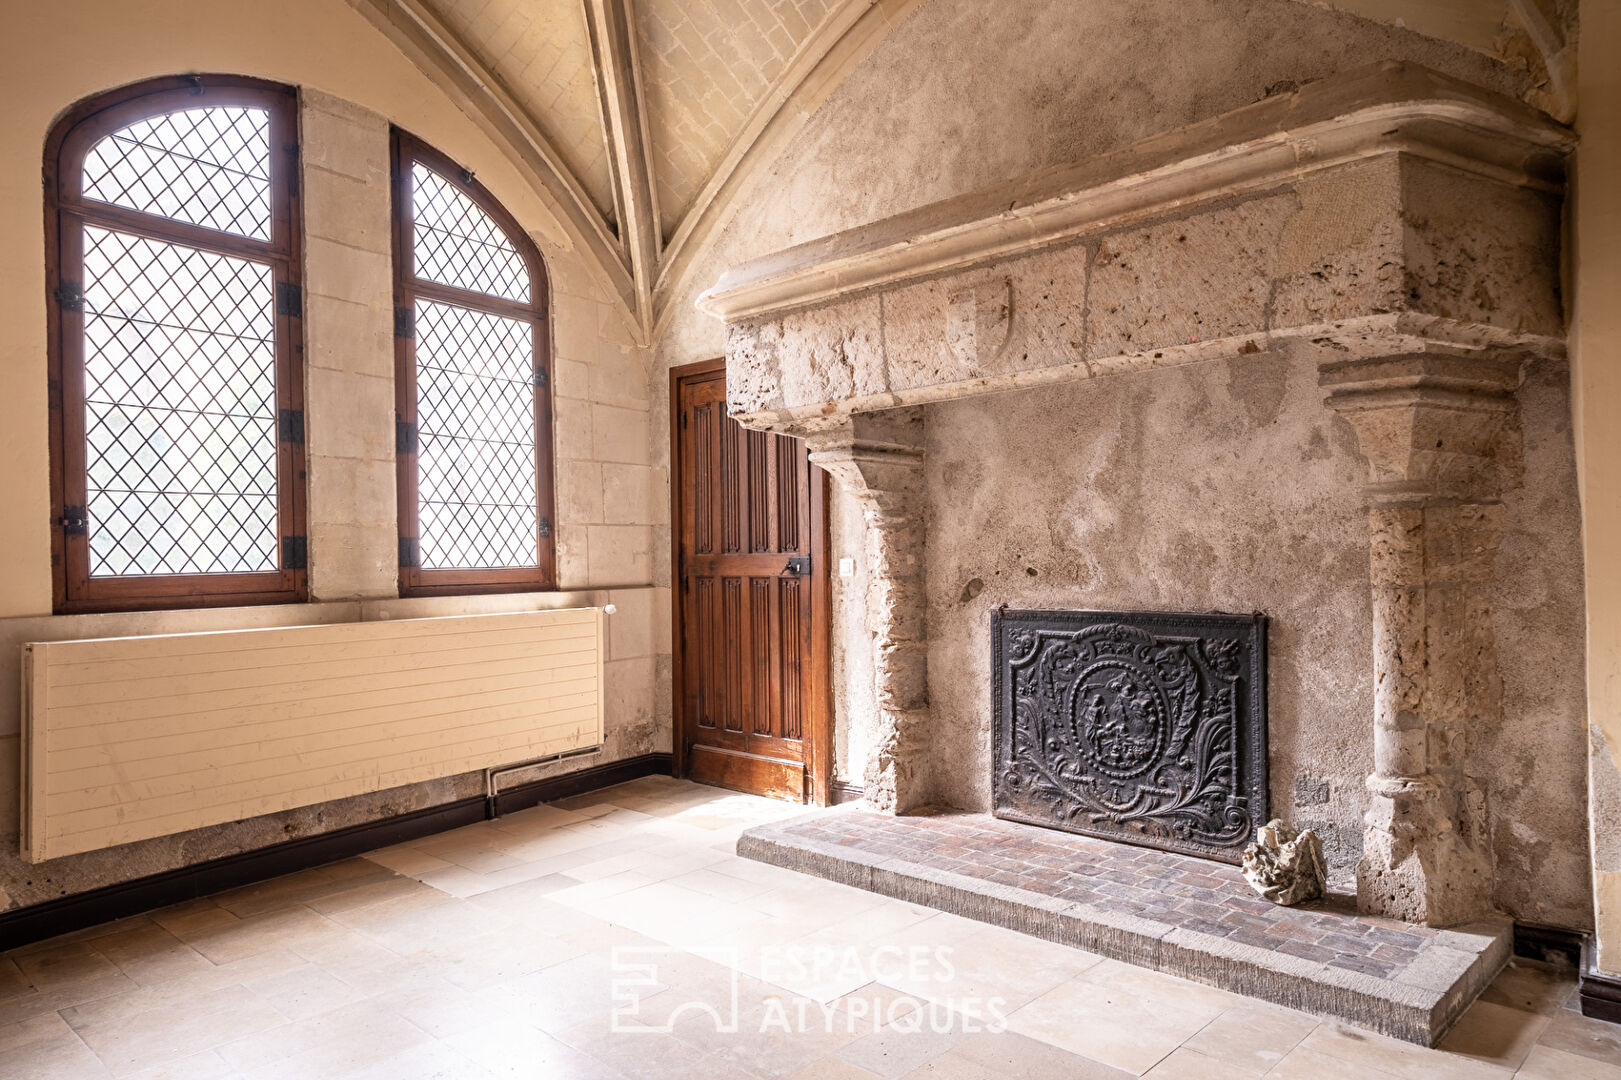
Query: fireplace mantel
x=1399, y=227
x=1349, y=212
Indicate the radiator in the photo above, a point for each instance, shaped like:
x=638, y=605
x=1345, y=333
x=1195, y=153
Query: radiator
x=126, y=739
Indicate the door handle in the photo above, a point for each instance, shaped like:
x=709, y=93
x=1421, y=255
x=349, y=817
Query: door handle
x=798, y=564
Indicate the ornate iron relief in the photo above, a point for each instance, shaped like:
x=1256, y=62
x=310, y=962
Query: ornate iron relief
x=1146, y=728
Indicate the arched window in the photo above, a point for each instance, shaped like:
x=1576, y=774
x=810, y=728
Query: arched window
x=472, y=386
x=172, y=241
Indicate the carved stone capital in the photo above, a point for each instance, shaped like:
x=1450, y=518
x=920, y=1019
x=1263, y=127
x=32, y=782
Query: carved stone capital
x=1429, y=423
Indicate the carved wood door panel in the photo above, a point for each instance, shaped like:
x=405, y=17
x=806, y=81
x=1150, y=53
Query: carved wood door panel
x=751, y=596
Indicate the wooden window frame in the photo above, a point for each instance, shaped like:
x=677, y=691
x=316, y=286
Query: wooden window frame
x=408, y=288
x=67, y=212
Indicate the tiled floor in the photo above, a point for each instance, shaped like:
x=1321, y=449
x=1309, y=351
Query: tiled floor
x=613, y=935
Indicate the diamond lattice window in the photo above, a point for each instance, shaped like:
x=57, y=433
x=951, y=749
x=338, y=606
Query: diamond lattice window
x=178, y=402
x=475, y=484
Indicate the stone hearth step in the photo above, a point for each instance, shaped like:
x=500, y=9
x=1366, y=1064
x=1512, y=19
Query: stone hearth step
x=1173, y=913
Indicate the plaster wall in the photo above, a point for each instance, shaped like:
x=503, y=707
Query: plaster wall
x=1595, y=341
x=353, y=84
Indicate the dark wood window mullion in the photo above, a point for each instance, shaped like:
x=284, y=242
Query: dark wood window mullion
x=410, y=290
x=69, y=212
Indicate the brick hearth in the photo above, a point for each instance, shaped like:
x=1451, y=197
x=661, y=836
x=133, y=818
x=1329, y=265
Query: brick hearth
x=1174, y=913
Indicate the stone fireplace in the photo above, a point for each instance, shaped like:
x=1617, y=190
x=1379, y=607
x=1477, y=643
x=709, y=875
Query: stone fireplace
x=1304, y=358
x=1143, y=727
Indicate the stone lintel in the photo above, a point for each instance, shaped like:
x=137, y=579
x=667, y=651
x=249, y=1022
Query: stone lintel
x=1428, y=423
x=1383, y=212
x=1386, y=108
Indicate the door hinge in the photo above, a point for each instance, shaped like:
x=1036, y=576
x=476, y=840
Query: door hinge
x=405, y=437
x=545, y=528
x=410, y=552
x=74, y=521
x=405, y=323
x=290, y=425
x=295, y=553
x=289, y=299
x=70, y=296
x=683, y=419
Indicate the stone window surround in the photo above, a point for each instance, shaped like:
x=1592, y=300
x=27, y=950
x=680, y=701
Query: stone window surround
x=839, y=340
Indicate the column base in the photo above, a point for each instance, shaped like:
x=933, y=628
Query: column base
x=1417, y=863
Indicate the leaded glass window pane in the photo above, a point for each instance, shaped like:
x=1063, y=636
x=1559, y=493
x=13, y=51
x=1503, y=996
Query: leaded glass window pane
x=180, y=409
x=208, y=167
x=476, y=438
x=456, y=243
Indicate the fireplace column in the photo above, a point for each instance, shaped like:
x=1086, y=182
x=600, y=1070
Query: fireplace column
x=878, y=459
x=1435, y=430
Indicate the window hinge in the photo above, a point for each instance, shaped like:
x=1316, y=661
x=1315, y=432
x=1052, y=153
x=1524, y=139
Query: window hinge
x=289, y=299
x=70, y=296
x=405, y=437
x=545, y=529
x=410, y=552
x=295, y=553
x=74, y=521
x=541, y=379
x=290, y=425
x=404, y=322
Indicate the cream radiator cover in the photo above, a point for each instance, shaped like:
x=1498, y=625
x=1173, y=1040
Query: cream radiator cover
x=125, y=739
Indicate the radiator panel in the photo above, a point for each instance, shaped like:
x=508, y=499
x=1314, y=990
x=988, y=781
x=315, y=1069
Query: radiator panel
x=127, y=739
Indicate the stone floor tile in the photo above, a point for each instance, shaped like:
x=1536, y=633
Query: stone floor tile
x=508, y=1047
x=903, y=1047
x=1494, y=1034
x=1364, y=1049
x=172, y=1029
x=1252, y=1035
x=405, y=859
x=342, y=1040
x=207, y=1065
x=46, y=1048
x=1530, y=985
x=1112, y=1024
x=1546, y=1063
x=1303, y=1063
x=1577, y=1034
x=987, y=1056
x=1185, y=1064
x=150, y=954
x=63, y=965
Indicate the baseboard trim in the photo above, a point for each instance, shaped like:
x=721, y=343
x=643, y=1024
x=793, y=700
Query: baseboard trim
x=122, y=899
x=552, y=788
x=839, y=792
x=1599, y=995
x=1551, y=944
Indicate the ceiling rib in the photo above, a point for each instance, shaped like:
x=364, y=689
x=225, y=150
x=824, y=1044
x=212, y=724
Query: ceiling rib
x=844, y=38
x=613, y=52
x=432, y=46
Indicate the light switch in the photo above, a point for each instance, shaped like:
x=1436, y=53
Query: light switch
x=847, y=567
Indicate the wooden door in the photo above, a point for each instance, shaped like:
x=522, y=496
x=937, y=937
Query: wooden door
x=751, y=600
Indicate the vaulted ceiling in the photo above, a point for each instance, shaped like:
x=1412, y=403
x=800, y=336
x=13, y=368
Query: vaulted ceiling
x=639, y=116
x=642, y=117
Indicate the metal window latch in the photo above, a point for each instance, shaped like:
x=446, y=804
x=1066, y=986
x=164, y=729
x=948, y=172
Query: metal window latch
x=74, y=521
x=798, y=564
